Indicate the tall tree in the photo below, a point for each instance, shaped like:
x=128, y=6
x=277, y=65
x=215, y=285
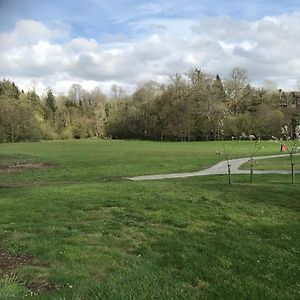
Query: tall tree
x=76, y=93
x=50, y=106
x=117, y=92
x=218, y=90
x=236, y=89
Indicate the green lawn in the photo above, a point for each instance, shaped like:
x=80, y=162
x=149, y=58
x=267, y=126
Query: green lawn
x=278, y=163
x=94, y=235
x=98, y=160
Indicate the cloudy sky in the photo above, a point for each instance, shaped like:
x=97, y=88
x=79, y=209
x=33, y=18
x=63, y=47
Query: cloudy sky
x=99, y=43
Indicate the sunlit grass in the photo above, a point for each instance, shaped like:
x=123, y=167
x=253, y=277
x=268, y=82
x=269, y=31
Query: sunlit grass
x=94, y=235
x=278, y=163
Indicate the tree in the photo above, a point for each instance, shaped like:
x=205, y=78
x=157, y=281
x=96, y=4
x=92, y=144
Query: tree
x=9, y=100
x=208, y=97
x=76, y=93
x=218, y=90
x=18, y=121
x=236, y=89
x=117, y=92
x=50, y=106
x=144, y=99
x=33, y=98
x=292, y=148
x=121, y=122
x=9, y=90
x=99, y=120
x=176, y=112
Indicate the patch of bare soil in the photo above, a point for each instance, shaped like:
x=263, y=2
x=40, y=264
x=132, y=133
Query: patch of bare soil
x=23, y=166
x=41, y=286
x=9, y=262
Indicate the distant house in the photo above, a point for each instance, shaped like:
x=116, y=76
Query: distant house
x=295, y=98
x=289, y=98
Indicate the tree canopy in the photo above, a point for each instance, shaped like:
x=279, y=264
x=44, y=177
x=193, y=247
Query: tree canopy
x=193, y=106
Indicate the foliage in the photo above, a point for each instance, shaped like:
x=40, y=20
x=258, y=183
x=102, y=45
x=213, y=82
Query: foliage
x=190, y=107
x=50, y=106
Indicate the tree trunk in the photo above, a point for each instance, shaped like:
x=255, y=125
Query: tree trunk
x=229, y=174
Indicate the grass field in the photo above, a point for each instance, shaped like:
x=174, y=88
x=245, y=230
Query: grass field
x=277, y=163
x=88, y=233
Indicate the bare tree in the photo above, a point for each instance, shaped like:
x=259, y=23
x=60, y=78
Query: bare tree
x=76, y=93
x=117, y=92
x=292, y=148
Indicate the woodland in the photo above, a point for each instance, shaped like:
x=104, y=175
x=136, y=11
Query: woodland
x=191, y=107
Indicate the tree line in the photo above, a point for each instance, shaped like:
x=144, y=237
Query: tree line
x=193, y=106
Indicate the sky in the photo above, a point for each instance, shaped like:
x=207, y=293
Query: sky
x=99, y=43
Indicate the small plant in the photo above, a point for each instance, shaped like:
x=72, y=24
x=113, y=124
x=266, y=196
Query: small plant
x=256, y=147
x=227, y=157
x=291, y=147
x=225, y=152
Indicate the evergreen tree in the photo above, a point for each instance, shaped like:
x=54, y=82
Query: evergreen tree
x=33, y=98
x=218, y=90
x=9, y=90
x=50, y=106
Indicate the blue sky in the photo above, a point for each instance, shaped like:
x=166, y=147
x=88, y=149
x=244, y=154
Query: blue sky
x=92, y=18
x=152, y=38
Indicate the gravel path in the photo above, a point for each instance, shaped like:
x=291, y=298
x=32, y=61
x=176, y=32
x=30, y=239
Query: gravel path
x=218, y=169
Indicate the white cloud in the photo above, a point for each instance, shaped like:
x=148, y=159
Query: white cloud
x=29, y=32
x=268, y=48
x=81, y=44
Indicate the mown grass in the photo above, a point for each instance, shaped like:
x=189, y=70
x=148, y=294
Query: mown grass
x=95, y=160
x=278, y=163
x=187, y=238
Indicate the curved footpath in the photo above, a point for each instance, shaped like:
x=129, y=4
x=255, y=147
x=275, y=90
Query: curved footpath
x=218, y=169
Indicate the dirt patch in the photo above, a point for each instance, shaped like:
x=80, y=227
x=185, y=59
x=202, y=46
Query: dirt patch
x=23, y=166
x=41, y=286
x=9, y=262
x=8, y=185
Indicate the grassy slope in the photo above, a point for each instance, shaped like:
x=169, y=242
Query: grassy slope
x=173, y=239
